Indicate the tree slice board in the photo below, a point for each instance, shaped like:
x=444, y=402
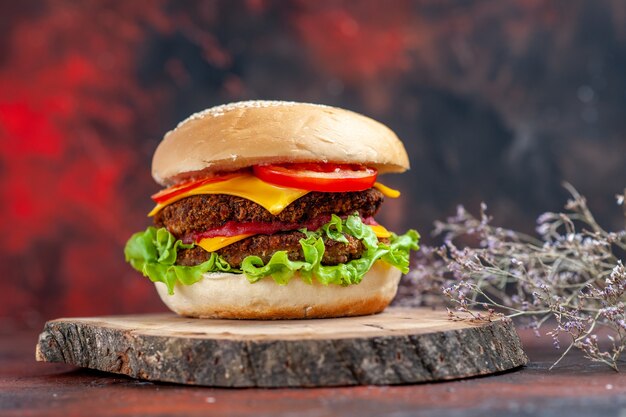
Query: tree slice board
x=398, y=346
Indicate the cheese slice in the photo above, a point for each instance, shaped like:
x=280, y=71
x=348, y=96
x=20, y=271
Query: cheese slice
x=211, y=244
x=272, y=197
x=387, y=192
x=381, y=232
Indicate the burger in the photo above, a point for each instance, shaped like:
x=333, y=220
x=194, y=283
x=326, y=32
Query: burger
x=268, y=213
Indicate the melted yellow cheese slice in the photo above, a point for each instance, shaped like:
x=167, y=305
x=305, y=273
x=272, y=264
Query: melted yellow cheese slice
x=211, y=244
x=387, y=192
x=272, y=197
x=381, y=232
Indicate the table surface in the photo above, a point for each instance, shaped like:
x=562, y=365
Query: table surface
x=575, y=388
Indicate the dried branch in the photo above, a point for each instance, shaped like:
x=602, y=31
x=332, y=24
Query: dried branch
x=572, y=273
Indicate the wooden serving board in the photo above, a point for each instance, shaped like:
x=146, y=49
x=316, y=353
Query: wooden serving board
x=398, y=346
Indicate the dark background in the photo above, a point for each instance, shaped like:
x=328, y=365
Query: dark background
x=495, y=101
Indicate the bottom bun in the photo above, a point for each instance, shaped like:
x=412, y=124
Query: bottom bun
x=232, y=296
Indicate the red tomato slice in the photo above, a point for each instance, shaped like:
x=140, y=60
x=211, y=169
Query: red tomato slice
x=325, y=177
x=168, y=193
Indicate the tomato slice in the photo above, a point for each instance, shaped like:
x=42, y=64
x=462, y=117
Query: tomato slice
x=168, y=193
x=327, y=177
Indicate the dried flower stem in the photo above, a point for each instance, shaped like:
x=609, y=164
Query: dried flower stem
x=572, y=273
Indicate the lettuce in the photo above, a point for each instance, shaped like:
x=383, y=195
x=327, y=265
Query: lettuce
x=153, y=253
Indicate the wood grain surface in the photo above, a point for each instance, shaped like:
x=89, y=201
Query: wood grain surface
x=398, y=346
x=575, y=388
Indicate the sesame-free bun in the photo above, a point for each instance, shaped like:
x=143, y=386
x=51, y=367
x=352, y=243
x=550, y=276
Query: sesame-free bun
x=232, y=296
x=239, y=135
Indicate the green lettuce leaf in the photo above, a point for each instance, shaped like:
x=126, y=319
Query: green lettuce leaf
x=334, y=229
x=153, y=253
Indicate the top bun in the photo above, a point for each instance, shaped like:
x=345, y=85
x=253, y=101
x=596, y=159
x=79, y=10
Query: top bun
x=239, y=135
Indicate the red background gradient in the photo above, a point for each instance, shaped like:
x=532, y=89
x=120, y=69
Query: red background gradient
x=495, y=101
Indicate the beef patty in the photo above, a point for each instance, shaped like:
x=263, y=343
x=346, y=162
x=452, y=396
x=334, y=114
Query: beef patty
x=199, y=213
x=264, y=247
x=207, y=211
